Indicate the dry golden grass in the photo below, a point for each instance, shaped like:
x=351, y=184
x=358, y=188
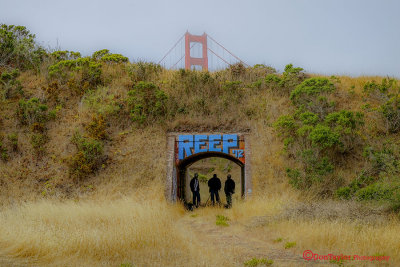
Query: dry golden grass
x=144, y=230
x=347, y=237
x=140, y=230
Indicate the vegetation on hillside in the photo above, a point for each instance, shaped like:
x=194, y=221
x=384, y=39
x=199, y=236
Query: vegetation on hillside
x=325, y=124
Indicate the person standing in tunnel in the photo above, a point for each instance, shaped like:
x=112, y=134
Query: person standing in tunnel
x=215, y=185
x=229, y=189
x=195, y=188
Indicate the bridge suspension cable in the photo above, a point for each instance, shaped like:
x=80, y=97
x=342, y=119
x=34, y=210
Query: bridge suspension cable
x=219, y=54
x=172, y=48
x=228, y=51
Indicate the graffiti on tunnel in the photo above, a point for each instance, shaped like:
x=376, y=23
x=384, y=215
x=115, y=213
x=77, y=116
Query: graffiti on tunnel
x=230, y=144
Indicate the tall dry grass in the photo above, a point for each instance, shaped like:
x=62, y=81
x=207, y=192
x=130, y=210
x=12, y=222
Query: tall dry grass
x=140, y=230
x=347, y=237
x=144, y=230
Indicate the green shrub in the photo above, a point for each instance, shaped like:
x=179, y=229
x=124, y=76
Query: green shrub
x=323, y=137
x=222, y=220
x=346, y=125
x=312, y=95
x=388, y=94
x=256, y=262
x=9, y=84
x=88, y=158
x=99, y=54
x=286, y=125
x=315, y=139
x=81, y=73
x=147, y=102
x=309, y=118
x=60, y=67
x=285, y=83
x=291, y=77
x=114, y=58
x=344, y=192
x=376, y=191
x=35, y=114
x=348, y=192
x=18, y=48
x=310, y=88
x=344, y=120
x=104, y=55
x=32, y=111
x=287, y=142
x=386, y=86
x=378, y=181
x=315, y=169
x=322, y=166
x=295, y=178
x=290, y=245
x=382, y=162
x=65, y=55
x=314, y=143
x=272, y=81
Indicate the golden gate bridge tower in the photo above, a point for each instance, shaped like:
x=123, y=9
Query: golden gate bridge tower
x=199, y=52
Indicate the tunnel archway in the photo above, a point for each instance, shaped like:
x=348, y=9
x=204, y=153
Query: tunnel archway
x=184, y=164
x=185, y=149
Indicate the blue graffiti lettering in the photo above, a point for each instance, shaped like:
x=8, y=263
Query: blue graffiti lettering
x=185, y=146
x=229, y=141
x=193, y=144
x=199, y=141
x=214, y=140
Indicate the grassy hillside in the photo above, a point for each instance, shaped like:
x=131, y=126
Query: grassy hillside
x=82, y=157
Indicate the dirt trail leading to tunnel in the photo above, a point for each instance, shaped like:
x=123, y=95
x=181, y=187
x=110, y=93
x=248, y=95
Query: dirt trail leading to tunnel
x=238, y=243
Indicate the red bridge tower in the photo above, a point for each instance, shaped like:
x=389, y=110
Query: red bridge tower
x=191, y=61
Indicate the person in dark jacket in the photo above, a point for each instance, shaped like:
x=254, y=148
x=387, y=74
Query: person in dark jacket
x=195, y=188
x=215, y=185
x=229, y=189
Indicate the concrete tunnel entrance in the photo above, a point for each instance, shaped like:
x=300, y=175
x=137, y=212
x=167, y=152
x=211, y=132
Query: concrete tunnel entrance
x=187, y=168
x=185, y=150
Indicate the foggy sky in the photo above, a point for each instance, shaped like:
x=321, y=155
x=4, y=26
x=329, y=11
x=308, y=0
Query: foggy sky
x=353, y=37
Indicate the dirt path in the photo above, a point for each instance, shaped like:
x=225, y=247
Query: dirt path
x=238, y=243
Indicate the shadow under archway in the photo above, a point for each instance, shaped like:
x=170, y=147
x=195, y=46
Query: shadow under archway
x=185, y=163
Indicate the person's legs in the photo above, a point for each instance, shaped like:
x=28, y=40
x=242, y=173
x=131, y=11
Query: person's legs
x=217, y=196
x=229, y=199
x=196, y=199
x=212, y=192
